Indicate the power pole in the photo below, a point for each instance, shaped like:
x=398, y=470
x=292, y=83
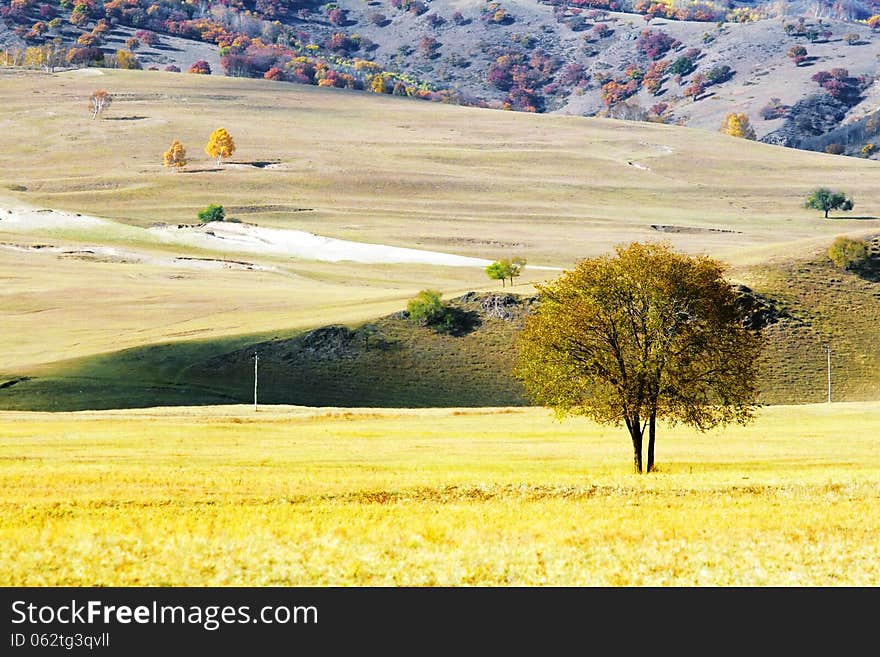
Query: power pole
x=256, y=361
x=828, y=351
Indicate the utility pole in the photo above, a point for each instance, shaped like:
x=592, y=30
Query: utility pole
x=828, y=351
x=256, y=361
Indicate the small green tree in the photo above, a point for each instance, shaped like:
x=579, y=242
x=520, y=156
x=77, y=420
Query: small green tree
x=497, y=271
x=848, y=253
x=826, y=200
x=506, y=270
x=212, y=213
x=426, y=308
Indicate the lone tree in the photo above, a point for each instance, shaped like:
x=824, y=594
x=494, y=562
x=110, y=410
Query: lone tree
x=175, y=156
x=98, y=102
x=220, y=145
x=504, y=270
x=826, y=200
x=642, y=335
x=736, y=124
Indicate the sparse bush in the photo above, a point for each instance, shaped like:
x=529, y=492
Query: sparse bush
x=848, y=253
x=212, y=213
x=798, y=54
x=425, y=308
x=434, y=20
x=719, y=74
x=681, y=66
x=656, y=43
x=774, y=109
x=201, y=67
x=429, y=47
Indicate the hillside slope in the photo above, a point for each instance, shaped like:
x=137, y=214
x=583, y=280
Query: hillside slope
x=390, y=362
x=557, y=56
x=104, y=306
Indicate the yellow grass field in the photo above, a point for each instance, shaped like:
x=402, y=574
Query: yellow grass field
x=293, y=496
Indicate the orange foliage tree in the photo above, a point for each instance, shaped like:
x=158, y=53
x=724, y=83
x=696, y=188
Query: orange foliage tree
x=175, y=156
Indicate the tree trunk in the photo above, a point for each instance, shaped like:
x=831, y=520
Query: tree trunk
x=826, y=214
x=635, y=431
x=652, y=426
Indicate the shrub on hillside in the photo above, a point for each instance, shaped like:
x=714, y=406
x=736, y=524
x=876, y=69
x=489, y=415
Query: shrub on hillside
x=200, y=67
x=427, y=309
x=212, y=213
x=656, y=43
x=848, y=253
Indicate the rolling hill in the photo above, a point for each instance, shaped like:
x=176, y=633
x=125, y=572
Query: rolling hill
x=111, y=296
x=673, y=62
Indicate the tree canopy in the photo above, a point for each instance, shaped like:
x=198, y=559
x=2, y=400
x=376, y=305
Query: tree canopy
x=505, y=269
x=220, y=145
x=826, y=200
x=212, y=213
x=642, y=335
x=737, y=124
x=175, y=156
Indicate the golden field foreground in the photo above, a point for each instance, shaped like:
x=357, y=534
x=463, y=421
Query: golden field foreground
x=295, y=496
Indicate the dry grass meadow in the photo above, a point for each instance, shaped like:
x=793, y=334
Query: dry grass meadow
x=293, y=496
x=221, y=495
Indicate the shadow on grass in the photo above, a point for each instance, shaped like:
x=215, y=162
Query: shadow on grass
x=125, y=118
x=388, y=363
x=259, y=164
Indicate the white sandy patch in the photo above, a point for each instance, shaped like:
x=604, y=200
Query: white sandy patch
x=228, y=237
x=31, y=219
x=307, y=246
x=125, y=256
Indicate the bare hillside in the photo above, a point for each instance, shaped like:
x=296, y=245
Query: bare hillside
x=688, y=65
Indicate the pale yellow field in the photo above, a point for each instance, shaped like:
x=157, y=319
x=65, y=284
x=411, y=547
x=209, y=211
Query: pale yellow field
x=296, y=496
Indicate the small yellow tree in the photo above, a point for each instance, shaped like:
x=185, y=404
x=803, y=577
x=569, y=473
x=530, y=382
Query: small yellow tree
x=737, y=125
x=175, y=156
x=220, y=145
